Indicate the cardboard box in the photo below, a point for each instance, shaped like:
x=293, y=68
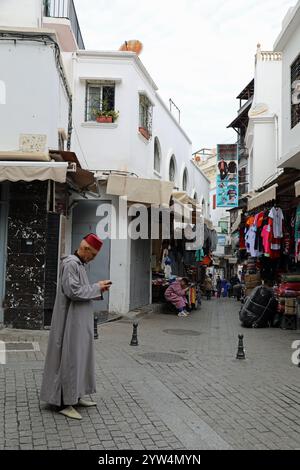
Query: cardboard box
x=290, y=311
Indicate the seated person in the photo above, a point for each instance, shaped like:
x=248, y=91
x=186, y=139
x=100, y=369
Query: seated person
x=176, y=294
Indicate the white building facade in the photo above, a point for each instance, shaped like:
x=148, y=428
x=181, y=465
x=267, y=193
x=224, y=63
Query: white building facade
x=288, y=44
x=144, y=142
x=62, y=87
x=263, y=138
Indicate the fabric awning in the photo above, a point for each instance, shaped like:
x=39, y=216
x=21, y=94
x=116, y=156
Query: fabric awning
x=24, y=156
x=30, y=171
x=183, y=198
x=263, y=197
x=146, y=191
x=236, y=224
x=297, y=189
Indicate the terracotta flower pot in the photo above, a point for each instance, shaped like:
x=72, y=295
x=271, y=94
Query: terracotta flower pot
x=104, y=119
x=144, y=132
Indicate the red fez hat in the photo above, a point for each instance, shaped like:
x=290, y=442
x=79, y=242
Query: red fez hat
x=94, y=241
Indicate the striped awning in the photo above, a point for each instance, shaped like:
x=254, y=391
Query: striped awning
x=263, y=197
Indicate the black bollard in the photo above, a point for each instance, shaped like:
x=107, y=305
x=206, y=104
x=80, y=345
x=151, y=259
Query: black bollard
x=241, y=351
x=96, y=336
x=134, y=339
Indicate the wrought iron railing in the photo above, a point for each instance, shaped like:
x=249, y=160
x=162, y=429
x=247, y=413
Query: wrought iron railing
x=65, y=9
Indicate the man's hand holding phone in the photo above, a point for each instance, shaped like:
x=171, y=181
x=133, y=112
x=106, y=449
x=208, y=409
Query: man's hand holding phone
x=104, y=285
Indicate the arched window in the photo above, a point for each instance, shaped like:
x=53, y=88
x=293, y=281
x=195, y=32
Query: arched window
x=157, y=158
x=203, y=207
x=196, y=197
x=2, y=92
x=172, y=169
x=185, y=180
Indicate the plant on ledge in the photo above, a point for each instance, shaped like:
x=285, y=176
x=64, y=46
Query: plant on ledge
x=106, y=115
x=145, y=133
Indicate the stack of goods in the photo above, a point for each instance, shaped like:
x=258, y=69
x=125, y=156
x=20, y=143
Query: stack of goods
x=288, y=293
x=259, y=309
x=252, y=277
x=159, y=287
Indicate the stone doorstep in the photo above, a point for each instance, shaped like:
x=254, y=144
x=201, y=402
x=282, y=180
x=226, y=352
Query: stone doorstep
x=15, y=334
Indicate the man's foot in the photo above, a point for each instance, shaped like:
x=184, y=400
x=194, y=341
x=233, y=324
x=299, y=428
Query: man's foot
x=70, y=412
x=86, y=403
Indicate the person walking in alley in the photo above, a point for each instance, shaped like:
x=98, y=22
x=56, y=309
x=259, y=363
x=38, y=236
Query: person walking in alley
x=219, y=286
x=176, y=294
x=208, y=286
x=69, y=372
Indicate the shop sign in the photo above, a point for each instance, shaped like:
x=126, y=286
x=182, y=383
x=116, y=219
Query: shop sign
x=227, y=175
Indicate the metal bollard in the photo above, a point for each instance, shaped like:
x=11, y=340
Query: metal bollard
x=134, y=339
x=241, y=350
x=96, y=336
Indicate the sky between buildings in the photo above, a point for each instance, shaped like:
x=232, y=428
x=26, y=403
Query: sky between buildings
x=200, y=53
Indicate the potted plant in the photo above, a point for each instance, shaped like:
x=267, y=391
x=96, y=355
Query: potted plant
x=145, y=133
x=105, y=116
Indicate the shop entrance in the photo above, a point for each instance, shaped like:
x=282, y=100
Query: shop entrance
x=85, y=221
x=140, y=273
x=3, y=236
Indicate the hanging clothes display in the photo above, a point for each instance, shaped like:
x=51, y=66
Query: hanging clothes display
x=276, y=215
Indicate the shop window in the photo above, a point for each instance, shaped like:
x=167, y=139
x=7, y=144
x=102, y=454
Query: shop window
x=100, y=97
x=157, y=158
x=172, y=169
x=145, y=116
x=295, y=85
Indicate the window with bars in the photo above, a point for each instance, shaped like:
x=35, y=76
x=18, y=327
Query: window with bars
x=100, y=96
x=295, y=85
x=145, y=116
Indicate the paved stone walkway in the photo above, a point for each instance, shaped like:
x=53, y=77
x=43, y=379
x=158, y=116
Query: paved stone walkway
x=181, y=388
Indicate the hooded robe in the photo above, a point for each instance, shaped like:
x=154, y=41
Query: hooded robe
x=69, y=371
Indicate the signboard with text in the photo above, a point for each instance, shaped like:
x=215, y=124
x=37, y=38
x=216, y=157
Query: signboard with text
x=227, y=176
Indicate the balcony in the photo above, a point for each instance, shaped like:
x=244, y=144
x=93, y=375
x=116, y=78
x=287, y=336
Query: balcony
x=55, y=12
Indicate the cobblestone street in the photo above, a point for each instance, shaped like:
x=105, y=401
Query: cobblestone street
x=181, y=388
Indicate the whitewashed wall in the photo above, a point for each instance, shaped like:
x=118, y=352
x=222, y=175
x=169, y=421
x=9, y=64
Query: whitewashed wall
x=288, y=43
x=36, y=102
x=21, y=13
x=264, y=131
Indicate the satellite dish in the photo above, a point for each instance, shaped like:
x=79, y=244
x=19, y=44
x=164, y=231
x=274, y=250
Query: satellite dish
x=132, y=46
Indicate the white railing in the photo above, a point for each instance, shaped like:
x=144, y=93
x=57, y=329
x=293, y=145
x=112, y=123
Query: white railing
x=268, y=56
x=271, y=56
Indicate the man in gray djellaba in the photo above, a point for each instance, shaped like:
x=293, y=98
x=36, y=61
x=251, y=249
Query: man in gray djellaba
x=69, y=372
